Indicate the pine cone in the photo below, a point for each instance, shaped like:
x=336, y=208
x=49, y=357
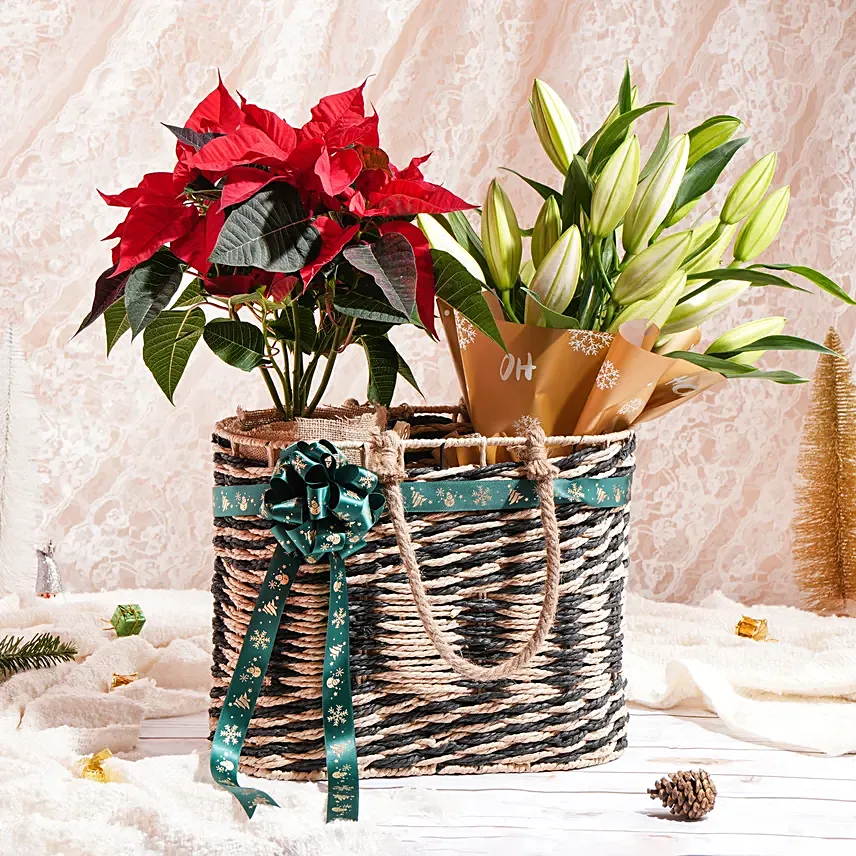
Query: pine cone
x=687, y=793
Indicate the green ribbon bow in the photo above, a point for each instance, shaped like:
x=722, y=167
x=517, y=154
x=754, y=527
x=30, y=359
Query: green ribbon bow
x=322, y=506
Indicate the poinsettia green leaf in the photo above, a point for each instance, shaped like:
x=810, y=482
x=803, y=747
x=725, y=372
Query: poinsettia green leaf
x=115, y=324
x=406, y=372
x=192, y=138
x=150, y=287
x=728, y=369
x=238, y=343
x=108, y=289
x=168, y=342
x=270, y=230
x=454, y=284
x=283, y=327
x=383, y=365
x=192, y=295
x=391, y=263
x=360, y=306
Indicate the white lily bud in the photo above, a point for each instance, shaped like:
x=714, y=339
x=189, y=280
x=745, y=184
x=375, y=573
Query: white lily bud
x=762, y=226
x=527, y=272
x=548, y=227
x=554, y=125
x=744, y=335
x=439, y=238
x=501, y=239
x=748, y=190
x=646, y=273
x=614, y=188
x=655, y=195
x=701, y=233
x=711, y=258
x=556, y=279
x=655, y=309
x=697, y=309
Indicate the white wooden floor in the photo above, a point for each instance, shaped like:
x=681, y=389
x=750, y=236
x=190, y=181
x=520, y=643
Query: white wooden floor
x=770, y=801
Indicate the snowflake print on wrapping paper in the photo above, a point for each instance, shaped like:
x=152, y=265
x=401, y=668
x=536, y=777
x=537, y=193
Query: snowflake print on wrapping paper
x=339, y=617
x=260, y=639
x=338, y=715
x=608, y=376
x=481, y=496
x=466, y=332
x=631, y=406
x=589, y=342
x=231, y=735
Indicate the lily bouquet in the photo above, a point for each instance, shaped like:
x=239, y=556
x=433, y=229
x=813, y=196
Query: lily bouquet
x=299, y=241
x=624, y=269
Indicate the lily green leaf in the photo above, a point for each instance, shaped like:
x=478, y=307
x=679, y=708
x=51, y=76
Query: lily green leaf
x=238, y=343
x=554, y=319
x=821, y=280
x=543, y=190
x=659, y=150
x=732, y=370
x=702, y=175
x=576, y=193
x=616, y=131
x=168, y=342
x=463, y=292
x=779, y=343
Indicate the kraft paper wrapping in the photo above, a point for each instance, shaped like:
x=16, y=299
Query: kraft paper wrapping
x=572, y=382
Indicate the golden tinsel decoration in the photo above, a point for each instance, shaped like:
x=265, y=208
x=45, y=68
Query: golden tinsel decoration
x=688, y=793
x=824, y=531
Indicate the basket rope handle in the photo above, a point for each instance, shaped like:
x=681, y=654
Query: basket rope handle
x=388, y=464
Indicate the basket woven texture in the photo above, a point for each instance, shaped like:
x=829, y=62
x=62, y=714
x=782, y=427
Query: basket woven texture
x=484, y=577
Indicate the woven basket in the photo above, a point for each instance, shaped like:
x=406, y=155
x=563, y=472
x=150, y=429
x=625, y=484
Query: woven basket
x=484, y=588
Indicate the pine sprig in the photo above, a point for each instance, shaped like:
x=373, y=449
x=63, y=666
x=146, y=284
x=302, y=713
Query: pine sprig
x=40, y=652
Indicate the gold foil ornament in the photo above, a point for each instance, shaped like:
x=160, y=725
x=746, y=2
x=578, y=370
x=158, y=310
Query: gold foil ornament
x=118, y=680
x=753, y=628
x=90, y=766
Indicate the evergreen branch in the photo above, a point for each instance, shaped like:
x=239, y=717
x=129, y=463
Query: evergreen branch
x=41, y=652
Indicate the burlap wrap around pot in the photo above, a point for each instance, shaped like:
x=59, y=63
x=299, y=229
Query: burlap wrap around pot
x=423, y=700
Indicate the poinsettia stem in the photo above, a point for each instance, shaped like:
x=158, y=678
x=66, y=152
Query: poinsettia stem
x=285, y=411
x=273, y=393
x=297, y=400
x=323, y=383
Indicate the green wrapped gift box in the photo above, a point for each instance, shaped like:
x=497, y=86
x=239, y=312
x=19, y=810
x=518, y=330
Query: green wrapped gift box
x=128, y=619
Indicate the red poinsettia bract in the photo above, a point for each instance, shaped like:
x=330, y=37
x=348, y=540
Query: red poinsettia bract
x=228, y=152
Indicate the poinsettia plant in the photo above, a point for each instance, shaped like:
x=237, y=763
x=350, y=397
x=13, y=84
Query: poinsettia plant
x=279, y=247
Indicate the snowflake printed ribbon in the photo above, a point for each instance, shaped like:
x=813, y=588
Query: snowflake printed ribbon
x=323, y=507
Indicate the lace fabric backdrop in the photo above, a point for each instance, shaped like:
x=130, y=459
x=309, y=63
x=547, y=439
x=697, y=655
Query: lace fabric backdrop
x=126, y=477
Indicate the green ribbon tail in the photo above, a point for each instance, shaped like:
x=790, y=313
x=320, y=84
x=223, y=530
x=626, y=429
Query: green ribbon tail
x=343, y=793
x=246, y=683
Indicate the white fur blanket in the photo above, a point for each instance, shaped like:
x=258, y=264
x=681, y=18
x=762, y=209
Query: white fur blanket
x=797, y=692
